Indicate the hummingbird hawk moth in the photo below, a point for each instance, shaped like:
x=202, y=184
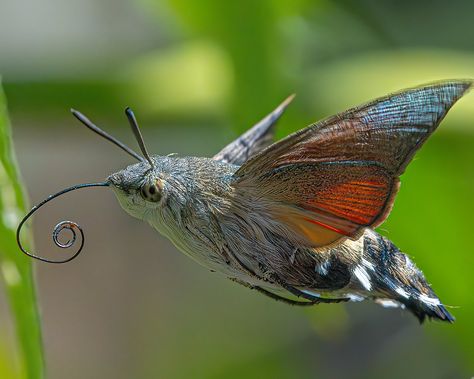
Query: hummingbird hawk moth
x=293, y=220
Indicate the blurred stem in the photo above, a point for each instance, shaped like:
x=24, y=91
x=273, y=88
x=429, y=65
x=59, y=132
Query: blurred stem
x=15, y=269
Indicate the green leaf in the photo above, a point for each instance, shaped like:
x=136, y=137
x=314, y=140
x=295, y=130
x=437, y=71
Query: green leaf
x=15, y=268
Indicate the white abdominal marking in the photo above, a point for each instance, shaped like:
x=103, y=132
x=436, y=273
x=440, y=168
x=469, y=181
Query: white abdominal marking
x=363, y=277
x=388, y=303
x=368, y=264
x=322, y=269
x=429, y=300
x=354, y=297
x=402, y=292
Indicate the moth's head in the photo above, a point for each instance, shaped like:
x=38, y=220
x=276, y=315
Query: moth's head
x=141, y=189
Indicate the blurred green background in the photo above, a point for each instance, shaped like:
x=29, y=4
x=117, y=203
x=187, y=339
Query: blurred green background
x=197, y=73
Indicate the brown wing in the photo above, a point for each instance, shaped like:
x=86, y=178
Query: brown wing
x=342, y=174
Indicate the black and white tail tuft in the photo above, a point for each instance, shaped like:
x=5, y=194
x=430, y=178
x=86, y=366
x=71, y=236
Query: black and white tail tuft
x=400, y=282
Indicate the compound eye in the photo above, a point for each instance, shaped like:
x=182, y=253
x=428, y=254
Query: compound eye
x=151, y=192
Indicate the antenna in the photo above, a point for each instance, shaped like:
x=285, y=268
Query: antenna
x=138, y=135
x=89, y=124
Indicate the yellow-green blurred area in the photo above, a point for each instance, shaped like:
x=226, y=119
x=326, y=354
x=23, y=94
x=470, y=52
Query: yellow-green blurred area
x=197, y=73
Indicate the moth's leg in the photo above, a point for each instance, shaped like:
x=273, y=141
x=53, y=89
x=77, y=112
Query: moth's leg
x=273, y=277
x=264, y=291
x=241, y=264
x=295, y=291
x=227, y=253
x=274, y=296
x=208, y=242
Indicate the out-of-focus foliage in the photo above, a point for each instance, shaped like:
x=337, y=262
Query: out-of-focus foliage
x=202, y=87
x=388, y=71
x=226, y=64
x=245, y=30
x=15, y=268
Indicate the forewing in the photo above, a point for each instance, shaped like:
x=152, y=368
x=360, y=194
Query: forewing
x=254, y=140
x=342, y=173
